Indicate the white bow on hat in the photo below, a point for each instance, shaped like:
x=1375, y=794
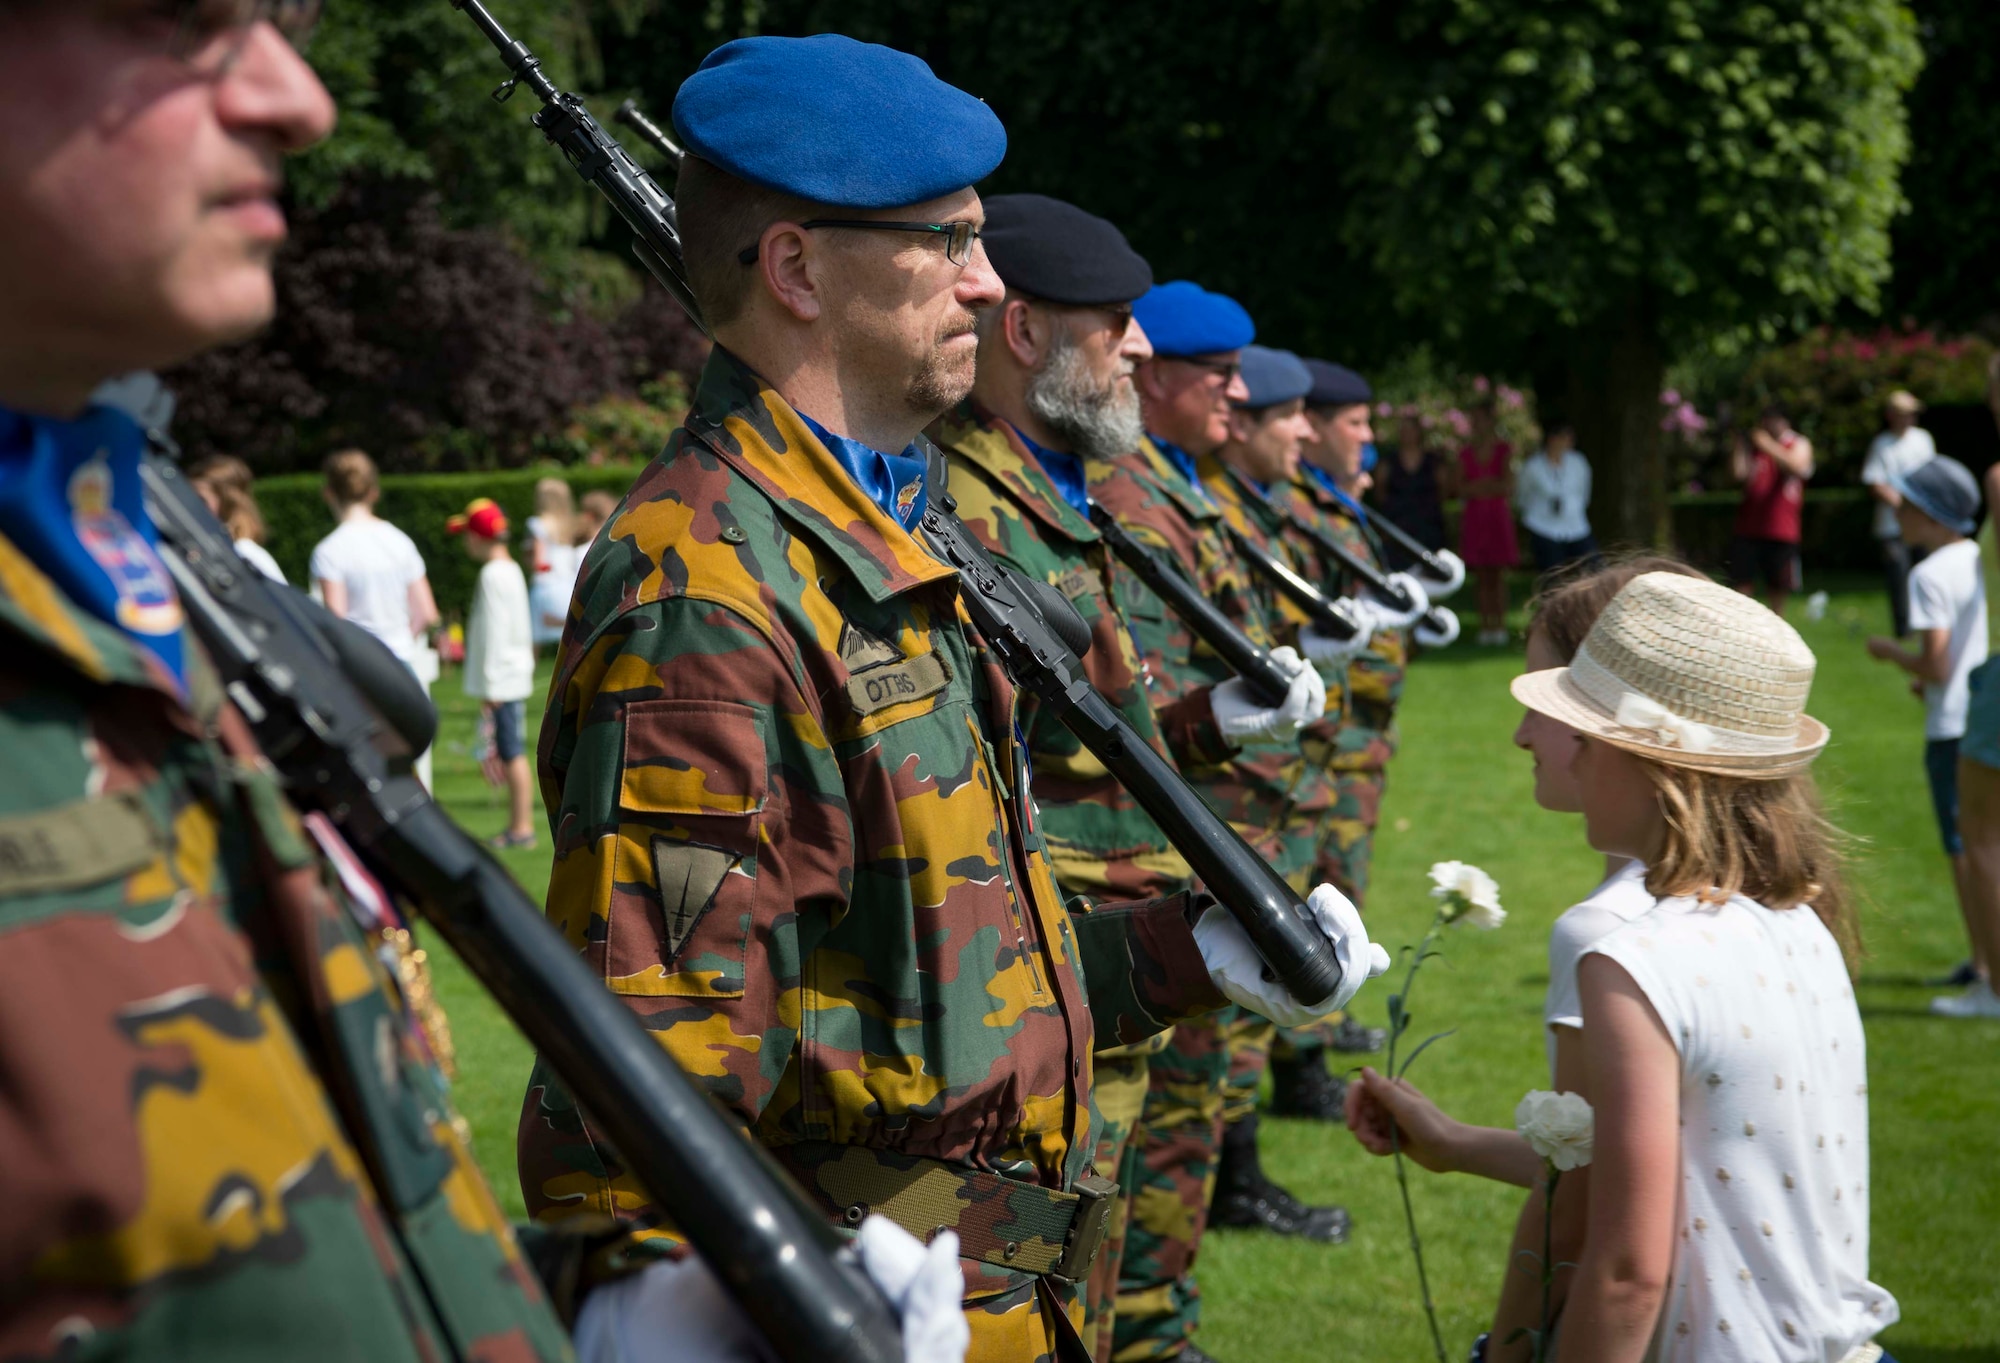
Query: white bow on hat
x=1671, y=730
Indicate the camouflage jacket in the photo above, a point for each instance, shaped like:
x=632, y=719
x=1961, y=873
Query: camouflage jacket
x=1101, y=843
x=1151, y=498
x=1367, y=737
x=1308, y=792
x=223, y=1140
x=786, y=793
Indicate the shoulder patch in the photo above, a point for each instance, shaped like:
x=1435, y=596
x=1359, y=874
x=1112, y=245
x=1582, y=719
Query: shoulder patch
x=689, y=874
x=86, y=842
x=860, y=650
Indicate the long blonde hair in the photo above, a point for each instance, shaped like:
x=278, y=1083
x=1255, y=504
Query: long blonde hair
x=556, y=506
x=229, y=478
x=1767, y=840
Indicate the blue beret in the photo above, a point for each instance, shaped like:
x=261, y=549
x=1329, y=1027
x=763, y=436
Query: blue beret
x=1273, y=376
x=1055, y=251
x=1182, y=318
x=1335, y=385
x=835, y=121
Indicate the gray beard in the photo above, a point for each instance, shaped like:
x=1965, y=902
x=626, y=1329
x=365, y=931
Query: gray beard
x=1096, y=422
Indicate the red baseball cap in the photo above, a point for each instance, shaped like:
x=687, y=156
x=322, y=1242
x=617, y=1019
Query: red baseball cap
x=482, y=517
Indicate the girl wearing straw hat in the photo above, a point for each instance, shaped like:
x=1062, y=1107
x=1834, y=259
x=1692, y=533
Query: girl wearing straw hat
x=1729, y=1188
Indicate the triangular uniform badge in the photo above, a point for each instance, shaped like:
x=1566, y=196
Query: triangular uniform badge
x=689, y=875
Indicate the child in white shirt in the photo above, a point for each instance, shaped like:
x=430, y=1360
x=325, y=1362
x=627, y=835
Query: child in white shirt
x=1937, y=507
x=500, y=664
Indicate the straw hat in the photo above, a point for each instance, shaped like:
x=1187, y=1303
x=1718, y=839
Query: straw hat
x=1688, y=673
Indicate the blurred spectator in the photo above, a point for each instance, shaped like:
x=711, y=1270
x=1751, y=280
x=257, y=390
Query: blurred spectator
x=367, y=570
x=224, y=481
x=500, y=664
x=555, y=555
x=1894, y=454
x=1554, y=497
x=598, y=507
x=1411, y=488
x=1979, y=804
x=1486, y=531
x=1773, y=463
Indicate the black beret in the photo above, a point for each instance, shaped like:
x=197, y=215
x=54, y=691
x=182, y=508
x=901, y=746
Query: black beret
x=1335, y=385
x=1055, y=251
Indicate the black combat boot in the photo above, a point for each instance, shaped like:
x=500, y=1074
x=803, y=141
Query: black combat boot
x=1302, y=1087
x=1350, y=1037
x=1194, y=1353
x=1247, y=1199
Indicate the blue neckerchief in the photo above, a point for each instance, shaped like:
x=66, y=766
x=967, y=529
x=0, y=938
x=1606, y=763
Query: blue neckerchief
x=70, y=500
x=895, y=482
x=1064, y=470
x=1333, y=490
x=1179, y=458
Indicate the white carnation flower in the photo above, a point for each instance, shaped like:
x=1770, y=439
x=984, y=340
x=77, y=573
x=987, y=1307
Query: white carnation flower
x=1558, y=1126
x=1470, y=894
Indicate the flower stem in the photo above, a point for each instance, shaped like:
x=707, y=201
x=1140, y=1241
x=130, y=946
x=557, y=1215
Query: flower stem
x=1399, y=1023
x=1548, y=1261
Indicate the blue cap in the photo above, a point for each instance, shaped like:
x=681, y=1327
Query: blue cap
x=1183, y=318
x=835, y=121
x=1943, y=489
x=1273, y=376
x=1335, y=385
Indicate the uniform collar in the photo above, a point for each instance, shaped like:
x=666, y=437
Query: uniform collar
x=1183, y=487
x=759, y=435
x=999, y=450
x=1240, y=493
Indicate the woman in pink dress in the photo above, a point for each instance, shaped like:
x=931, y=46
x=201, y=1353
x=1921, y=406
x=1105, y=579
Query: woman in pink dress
x=1486, y=533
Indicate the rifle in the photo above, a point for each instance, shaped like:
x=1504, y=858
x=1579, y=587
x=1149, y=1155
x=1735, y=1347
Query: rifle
x=315, y=691
x=1428, y=563
x=1026, y=625
x=1041, y=661
x=1436, y=618
x=1331, y=617
x=1266, y=680
x=655, y=136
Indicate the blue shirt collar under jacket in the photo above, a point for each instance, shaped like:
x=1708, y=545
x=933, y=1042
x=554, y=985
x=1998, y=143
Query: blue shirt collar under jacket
x=1325, y=480
x=1064, y=470
x=70, y=501
x=897, y=483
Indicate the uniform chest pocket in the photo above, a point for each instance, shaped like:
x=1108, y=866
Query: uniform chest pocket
x=693, y=787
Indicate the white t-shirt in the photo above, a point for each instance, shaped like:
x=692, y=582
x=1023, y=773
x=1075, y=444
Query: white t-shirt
x=377, y=563
x=499, y=640
x=1620, y=899
x=258, y=557
x=1947, y=591
x=1891, y=457
x=1771, y=1258
x=1554, y=498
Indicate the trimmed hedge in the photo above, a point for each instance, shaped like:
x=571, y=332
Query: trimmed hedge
x=296, y=516
x=1837, y=520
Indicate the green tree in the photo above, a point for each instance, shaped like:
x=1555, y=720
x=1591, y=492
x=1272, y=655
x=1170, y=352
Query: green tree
x=1600, y=184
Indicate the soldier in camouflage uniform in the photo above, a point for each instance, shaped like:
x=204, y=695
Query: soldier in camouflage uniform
x=1054, y=389
x=1267, y=432
x=1356, y=755
x=225, y=1134
x=789, y=797
x=1156, y=494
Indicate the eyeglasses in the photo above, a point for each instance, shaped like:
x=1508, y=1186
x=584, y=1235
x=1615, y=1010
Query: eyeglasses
x=1226, y=370
x=958, y=236
x=209, y=36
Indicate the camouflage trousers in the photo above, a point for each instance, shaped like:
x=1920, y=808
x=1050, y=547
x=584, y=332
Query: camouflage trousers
x=1349, y=840
x=1016, y=1327
x=1169, y=1176
x=1119, y=1094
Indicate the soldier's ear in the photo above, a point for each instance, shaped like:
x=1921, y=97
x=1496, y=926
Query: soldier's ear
x=1026, y=332
x=790, y=266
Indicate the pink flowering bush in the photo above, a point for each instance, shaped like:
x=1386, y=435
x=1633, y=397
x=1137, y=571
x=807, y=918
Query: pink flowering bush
x=1834, y=383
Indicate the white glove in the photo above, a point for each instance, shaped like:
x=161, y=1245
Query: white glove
x=1328, y=653
x=1440, y=590
x=678, y=1313
x=1390, y=616
x=1431, y=637
x=1245, y=720
x=1238, y=971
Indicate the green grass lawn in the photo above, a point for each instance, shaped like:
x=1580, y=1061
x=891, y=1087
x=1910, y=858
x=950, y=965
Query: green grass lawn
x=1460, y=790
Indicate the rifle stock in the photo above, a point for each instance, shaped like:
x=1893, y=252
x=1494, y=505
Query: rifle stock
x=1329, y=617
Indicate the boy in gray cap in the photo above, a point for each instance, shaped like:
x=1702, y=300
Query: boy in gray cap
x=1937, y=512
